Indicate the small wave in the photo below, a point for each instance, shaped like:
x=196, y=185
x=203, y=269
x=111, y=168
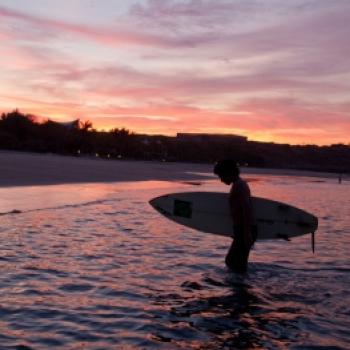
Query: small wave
x=76, y=288
x=58, y=207
x=12, y=212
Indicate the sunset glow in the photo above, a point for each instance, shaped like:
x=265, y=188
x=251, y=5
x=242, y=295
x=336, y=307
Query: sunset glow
x=269, y=70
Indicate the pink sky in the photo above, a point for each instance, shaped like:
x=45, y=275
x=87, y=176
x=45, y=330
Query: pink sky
x=264, y=69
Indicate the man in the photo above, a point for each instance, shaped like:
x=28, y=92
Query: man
x=242, y=215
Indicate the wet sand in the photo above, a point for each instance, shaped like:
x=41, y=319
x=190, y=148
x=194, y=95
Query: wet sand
x=31, y=169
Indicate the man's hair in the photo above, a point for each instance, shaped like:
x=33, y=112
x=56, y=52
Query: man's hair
x=226, y=166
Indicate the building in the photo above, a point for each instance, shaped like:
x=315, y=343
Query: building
x=75, y=124
x=203, y=137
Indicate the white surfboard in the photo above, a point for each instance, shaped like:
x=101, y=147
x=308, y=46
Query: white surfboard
x=210, y=212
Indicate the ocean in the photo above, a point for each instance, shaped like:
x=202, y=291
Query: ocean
x=93, y=266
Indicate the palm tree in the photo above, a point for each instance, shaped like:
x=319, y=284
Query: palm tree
x=85, y=125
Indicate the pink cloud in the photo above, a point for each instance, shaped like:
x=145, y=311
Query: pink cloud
x=274, y=119
x=106, y=36
x=293, y=113
x=292, y=57
x=5, y=37
x=124, y=81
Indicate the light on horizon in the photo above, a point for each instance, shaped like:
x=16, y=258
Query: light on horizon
x=262, y=71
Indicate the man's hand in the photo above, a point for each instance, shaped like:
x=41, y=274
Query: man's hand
x=248, y=239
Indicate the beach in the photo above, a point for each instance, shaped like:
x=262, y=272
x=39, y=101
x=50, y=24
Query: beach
x=30, y=169
x=87, y=263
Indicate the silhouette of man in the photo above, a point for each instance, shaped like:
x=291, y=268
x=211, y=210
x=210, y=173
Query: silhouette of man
x=242, y=215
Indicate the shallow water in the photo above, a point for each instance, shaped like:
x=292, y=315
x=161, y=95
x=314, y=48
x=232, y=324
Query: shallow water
x=95, y=267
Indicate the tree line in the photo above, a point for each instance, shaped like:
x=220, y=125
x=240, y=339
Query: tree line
x=23, y=132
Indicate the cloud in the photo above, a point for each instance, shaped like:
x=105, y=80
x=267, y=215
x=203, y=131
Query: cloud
x=109, y=36
x=265, y=68
x=313, y=34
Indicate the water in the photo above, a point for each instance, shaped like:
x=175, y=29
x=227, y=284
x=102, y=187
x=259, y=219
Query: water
x=95, y=267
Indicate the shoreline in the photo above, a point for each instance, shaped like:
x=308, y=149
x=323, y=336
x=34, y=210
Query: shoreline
x=35, y=169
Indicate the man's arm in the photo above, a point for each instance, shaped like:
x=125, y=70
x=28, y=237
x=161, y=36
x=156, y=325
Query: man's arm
x=246, y=212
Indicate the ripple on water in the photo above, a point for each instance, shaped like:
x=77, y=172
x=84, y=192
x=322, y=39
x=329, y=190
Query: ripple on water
x=111, y=273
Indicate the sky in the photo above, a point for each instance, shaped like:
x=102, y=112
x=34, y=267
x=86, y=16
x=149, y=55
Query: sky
x=271, y=70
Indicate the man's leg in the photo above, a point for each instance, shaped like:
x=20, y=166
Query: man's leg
x=231, y=256
x=242, y=259
x=237, y=256
x=242, y=251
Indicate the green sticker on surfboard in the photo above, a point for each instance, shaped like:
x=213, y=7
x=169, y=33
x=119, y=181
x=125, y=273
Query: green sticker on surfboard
x=183, y=209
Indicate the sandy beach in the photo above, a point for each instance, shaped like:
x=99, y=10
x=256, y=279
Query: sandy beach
x=30, y=169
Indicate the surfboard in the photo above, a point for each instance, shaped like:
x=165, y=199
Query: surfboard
x=210, y=212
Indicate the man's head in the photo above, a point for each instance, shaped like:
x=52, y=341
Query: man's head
x=227, y=170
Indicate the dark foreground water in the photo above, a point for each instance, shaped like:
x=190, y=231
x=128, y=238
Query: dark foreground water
x=100, y=269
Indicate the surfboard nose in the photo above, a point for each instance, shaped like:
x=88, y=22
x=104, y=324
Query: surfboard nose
x=157, y=201
x=153, y=201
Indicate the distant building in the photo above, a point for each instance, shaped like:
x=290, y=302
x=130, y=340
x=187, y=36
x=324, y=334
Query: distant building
x=203, y=137
x=75, y=124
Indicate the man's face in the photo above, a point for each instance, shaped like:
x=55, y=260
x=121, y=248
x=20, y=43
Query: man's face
x=226, y=178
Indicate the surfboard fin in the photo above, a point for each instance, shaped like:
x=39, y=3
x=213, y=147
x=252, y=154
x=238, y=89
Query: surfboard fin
x=313, y=241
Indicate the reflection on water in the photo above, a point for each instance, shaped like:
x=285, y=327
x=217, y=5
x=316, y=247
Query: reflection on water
x=24, y=198
x=102, y=270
